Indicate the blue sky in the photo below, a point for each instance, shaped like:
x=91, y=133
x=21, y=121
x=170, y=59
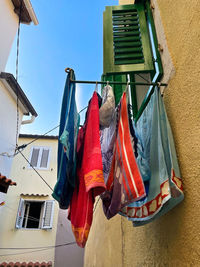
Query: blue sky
x=69, y=34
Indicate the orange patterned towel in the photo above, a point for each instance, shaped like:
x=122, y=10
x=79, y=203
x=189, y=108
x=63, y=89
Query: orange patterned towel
x=125, y=183
x=90, y=181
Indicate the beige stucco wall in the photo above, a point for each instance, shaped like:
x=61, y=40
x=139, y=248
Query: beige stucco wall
x=174, y=239
x=28, y=182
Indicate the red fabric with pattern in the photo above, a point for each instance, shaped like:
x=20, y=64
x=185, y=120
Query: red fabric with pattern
x=90, y=181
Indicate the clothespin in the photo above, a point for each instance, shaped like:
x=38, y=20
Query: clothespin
x=96, y=88
x=161, y=90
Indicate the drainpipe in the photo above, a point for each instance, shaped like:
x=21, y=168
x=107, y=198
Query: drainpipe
x=29, y=121
x=31, y=11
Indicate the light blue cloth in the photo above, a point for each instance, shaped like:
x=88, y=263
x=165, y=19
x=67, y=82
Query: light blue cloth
x=165, y=185
x=69, y=125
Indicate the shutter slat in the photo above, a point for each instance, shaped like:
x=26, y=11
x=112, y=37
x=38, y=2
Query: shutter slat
x=129, y=61
x=126, y=28
x=129, y=23
x=131, y=33
x=127, y=44
x=125, y=19
x=124, y=13
x=129, y=56
x=128, y=50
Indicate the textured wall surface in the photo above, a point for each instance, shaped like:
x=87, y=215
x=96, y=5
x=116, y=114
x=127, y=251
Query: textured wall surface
x=174, y=239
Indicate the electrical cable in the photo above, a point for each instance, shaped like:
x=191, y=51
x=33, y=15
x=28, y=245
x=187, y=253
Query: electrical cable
x=37, y=250
x=29, y=217
x=142, y=77
x=17, y=66
x=36, y=171
x=43, y=247
x=25, y=145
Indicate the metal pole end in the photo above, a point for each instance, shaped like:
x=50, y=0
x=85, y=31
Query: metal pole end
x=68, y=70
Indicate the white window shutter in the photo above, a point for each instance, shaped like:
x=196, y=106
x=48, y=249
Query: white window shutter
x=44, y=158
x=20, y=214
x=34, y=157
x=47, y=218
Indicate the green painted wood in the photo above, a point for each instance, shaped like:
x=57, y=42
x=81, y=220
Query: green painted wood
x=133, y=96
x=116, y=23
x=129, y=56
x=126, y=33
x=128, y=49
x=127, y=44
x=158, y=57
x=129, y=61
x=130, y=19
x=125, y=26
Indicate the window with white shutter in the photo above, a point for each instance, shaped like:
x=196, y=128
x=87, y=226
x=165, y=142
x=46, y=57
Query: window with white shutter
x=40, y=157
x=34, y=214
x=20, y=214
x=47, y=219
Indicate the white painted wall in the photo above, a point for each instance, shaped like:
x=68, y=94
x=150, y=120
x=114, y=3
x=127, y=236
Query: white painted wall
x=8, y=126
x=8, y=29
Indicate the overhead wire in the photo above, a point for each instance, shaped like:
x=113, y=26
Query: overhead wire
x=142, y=77
x=17, y=66
x=36, y=171
x=37, y=250
x=41, y=247
x=29, y=217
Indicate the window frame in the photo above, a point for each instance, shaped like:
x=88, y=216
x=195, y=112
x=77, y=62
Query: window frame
x=39, y=157
x=21, y=214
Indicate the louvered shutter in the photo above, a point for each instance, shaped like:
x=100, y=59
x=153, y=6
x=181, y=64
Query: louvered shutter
x=44, y=158
x=127, y=45
x=20, y=214
x=47, y=218
x=34, y=156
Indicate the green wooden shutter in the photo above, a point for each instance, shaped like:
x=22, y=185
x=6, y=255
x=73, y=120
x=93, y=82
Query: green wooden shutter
x=127, y=45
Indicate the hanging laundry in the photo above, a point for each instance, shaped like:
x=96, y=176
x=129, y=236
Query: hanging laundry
x=108, y=107
x=107, y=140
x=165, y=184
x=69, y=125
x=124, y=183
x=108, y=125
x=90, y=181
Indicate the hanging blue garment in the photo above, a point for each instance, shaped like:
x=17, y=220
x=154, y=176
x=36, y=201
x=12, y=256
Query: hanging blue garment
x=160, y=162
x=68, y=131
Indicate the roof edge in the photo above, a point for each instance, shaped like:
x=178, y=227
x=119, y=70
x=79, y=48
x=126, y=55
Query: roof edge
x=27, y=13
x=34, y=136
x=12, y=82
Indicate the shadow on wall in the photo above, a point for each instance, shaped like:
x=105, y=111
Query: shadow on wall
x=71, y=255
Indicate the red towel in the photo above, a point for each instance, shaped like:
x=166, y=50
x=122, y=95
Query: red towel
x=125, y=183
x=90, y=181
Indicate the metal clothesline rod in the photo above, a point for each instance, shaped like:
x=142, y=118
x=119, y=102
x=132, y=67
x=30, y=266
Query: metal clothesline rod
x=119, y=83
